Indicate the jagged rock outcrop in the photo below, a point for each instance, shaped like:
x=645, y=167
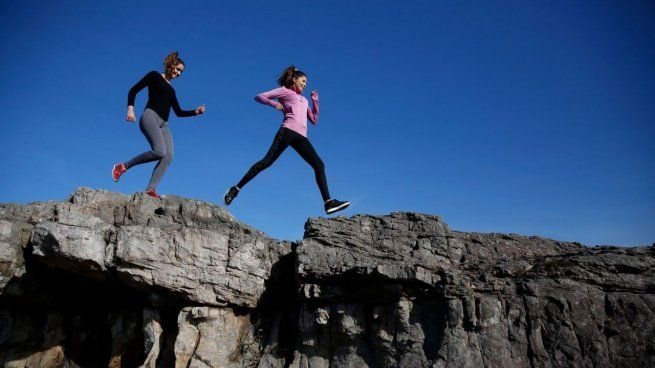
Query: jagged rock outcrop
x=406, y=291
x=104, y=279
x=184, y=247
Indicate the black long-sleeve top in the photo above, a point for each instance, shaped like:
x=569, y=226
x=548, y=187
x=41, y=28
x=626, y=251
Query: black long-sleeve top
x=161, y=96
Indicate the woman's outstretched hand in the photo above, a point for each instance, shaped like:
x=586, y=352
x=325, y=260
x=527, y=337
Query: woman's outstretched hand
x=130, y=114
x=200, y=110
x=315, y=95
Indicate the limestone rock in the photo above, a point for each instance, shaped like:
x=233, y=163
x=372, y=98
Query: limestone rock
x=186, y=249
x=105, y=279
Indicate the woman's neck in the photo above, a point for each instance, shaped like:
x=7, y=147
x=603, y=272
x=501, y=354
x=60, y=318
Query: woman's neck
x=166, y=78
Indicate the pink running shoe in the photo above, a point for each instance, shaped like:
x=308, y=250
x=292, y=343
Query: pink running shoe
x=117, y=171
x=152, y=193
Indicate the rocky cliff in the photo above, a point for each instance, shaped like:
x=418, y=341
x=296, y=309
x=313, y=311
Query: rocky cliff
x=103, y=279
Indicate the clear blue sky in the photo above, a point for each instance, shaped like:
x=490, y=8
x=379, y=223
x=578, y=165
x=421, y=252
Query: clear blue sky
x=529, y=117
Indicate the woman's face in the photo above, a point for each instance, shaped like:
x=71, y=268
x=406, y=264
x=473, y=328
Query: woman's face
x=176, y=71
x=299, y=83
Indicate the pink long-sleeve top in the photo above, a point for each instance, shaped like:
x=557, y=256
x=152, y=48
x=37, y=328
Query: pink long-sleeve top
x=296, y=108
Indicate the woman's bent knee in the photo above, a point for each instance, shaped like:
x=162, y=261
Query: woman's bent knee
x=159, y=153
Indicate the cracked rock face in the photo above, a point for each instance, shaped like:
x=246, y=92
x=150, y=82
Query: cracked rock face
x=104, y=279
x=193, y=250
x=405, y=291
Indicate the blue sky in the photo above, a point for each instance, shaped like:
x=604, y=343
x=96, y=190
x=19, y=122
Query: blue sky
x=528, y=117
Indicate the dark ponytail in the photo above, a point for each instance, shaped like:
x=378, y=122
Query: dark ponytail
x=286, y=78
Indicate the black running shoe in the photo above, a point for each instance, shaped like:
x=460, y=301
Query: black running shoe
x=230, y=195
x=334, y=205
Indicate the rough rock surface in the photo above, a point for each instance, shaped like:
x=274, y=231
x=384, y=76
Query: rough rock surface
x=406, y=291
x=179, y=247
x=104, y=279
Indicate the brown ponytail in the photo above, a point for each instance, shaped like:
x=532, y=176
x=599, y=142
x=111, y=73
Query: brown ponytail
x=172, y=60
x=286, y=78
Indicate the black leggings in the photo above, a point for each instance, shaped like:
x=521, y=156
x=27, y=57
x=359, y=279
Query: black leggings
x=284, y=138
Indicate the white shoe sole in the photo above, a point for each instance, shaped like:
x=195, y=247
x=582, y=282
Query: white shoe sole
x=338, y=208
x=226, y=192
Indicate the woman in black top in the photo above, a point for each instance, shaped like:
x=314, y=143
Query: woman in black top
x=154, y=120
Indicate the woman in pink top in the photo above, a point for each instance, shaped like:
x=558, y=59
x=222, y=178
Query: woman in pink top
x=293, y=132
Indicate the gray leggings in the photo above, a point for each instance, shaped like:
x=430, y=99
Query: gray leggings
x=156, y=131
